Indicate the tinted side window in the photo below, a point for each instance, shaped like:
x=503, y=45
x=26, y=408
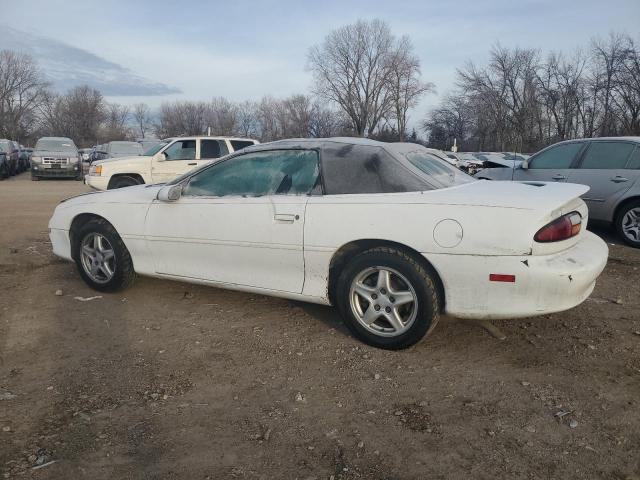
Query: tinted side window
x=559, y=156
x=350, y=168
x=181, y=150
x=240, y=144
x=634, y=161
x=213, y=149
x=607, y=155
x=277, y=172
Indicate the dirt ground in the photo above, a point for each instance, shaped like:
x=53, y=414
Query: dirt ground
x=168, y=380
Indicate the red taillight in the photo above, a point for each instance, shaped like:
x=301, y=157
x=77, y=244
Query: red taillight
x=566, y=226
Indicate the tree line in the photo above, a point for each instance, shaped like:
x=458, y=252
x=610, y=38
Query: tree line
x=365, y=82
x=522, y=101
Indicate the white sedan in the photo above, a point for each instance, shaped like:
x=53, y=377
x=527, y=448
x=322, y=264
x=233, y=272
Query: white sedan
x=388, y=233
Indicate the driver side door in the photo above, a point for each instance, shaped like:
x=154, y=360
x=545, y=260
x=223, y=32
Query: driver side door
x=552, y=164
x=177, y=158
x=239, y=222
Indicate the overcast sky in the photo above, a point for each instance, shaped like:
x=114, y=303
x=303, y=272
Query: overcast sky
x=246, y=49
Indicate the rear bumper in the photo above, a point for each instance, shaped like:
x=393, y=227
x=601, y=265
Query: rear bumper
x=544, y=283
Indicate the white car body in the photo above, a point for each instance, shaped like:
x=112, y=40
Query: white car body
x=156, y=168
x=283, y=245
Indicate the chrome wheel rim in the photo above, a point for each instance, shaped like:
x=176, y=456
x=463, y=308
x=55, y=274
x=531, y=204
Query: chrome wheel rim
x=98, y=258
x=383, y=301
x=631, y=224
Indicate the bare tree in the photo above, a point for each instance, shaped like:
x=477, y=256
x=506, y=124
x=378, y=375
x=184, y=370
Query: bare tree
x=405, y=85
x=22, y=92
x=142, y=117
x=116, y=122
x=352, y=69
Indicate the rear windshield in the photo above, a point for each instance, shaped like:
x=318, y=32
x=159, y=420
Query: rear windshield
x=133, y=148
x=56, y=145
x=348, y=168
x=240, y=144
x=438, y=173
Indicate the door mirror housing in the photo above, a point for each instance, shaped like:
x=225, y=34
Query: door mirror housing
x=162, y=156
x=170, y=193
x=525, y=165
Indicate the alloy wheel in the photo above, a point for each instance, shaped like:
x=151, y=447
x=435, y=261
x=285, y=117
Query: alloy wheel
x=631, y=224
x=98, y=258
x=383, y=301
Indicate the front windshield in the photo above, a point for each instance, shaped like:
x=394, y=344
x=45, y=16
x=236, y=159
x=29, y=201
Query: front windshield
x=154, y=149
x=133, y=148
x=56, y=145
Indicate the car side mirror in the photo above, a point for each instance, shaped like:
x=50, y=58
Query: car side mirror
x=162, y=156
x=170, y=193
x=525, y=165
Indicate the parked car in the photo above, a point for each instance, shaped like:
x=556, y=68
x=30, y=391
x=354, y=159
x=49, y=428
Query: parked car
x=148, y=143
x=469, y=163
x=609, y=166
x=12, y=153
x=175, y=158
x=55, y=157
x=5, y=166
x=25, y=157
x=118, y=149
x=387, y=232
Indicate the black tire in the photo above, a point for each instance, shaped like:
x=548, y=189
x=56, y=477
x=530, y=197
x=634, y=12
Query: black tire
x=4, y=171
x=124, y=181
x=124, y=273
x=419, y=278
x=620, y=224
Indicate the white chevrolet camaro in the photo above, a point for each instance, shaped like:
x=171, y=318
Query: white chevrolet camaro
x=389, y=233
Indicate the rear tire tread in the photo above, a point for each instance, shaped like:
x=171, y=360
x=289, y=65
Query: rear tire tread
x=429, y=288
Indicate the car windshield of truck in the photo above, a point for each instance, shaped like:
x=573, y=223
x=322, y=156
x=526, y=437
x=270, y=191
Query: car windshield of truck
x=154, y=149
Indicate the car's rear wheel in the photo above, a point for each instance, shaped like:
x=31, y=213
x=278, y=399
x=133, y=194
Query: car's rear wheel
x=628, y=223
x=102, y=258
x=124, y=181
x=387, y=298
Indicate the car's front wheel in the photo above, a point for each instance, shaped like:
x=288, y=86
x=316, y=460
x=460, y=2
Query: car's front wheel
x=628, y=223
x=387, y=298
x=102, y=258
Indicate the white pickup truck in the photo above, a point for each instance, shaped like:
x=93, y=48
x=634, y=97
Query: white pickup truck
x=163, y=163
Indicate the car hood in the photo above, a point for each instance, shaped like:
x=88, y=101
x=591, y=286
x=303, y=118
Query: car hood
x=136, y=194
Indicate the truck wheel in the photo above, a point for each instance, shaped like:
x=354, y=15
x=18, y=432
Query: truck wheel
x=124, y=181
x=628, y=223
x=102, y=257
x=387, y=298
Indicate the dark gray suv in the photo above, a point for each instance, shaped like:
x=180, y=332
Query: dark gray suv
x=610, y=166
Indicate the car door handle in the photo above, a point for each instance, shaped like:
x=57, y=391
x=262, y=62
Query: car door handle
x=193, y=163
x=619, y=179
x=557, y=176
x=285, y=217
